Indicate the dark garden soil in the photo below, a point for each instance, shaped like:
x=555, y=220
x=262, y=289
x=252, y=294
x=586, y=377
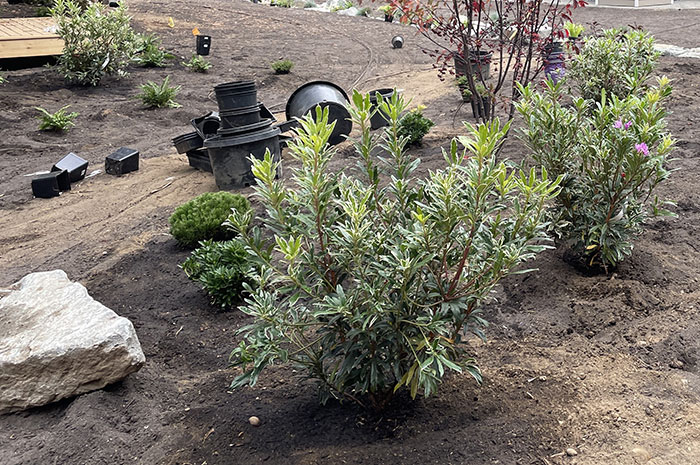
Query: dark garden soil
x=606, y=365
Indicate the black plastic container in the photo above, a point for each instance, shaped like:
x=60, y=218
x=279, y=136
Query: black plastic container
x=187, y=142
x=74, y=165
x=388, y=18
x=247, y=129
x=229, y=156
x=124, y=160
x=240, y=116
x=203, y=44
x=265, y=113
x=325, y=94
x=199, y=159
x=207, y=125
x=235, y=95
x=397, y=42
x=379, y=118
x=50, y=184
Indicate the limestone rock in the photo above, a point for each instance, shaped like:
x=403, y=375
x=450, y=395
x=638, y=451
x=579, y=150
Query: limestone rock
x=56, y=342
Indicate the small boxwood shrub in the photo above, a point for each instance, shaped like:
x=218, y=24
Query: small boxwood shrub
x=415, y=126
x=201, y=218
x=282, y=66
x=221, y=268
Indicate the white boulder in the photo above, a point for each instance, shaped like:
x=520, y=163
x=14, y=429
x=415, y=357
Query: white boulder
x=56, y=342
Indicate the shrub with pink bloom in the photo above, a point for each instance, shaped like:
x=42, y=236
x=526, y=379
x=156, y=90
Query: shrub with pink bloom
x=612, y=155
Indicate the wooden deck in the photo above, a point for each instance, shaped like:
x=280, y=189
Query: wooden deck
x=28, y=37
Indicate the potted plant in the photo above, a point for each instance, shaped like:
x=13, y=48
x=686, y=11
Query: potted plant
x=573, y=31
x=482, y=93
x=388, y=11
x=479, y=64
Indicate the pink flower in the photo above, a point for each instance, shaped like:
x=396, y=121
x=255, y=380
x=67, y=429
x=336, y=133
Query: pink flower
x=628, y=124
x=618, y=124
x=642, y=148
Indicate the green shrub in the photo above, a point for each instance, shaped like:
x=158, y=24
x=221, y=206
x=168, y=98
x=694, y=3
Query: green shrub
x=149, y=52
x=98, y=41
x=282, y=66
x=310, y=4
x=612, y=157
x=59, y=121
x=618, y=62
x=374, y=280
x=415, y=126
x=197, y=64
x=365, y=11
x=201, y=218
x=155, y=95
x=347, y=4
x=221, y=268
x=282, y=3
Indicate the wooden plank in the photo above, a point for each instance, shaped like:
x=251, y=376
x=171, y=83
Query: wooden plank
x=30, y=47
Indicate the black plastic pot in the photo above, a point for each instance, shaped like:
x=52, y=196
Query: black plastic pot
x=554, y=47
x=476, y=110
x=188, y=142
x=324, y=94
x=199, y=159
x=379, y=118
x=235, y=95
x=229, y=156
x=397, y=41
x=479, y=64
x=74, y=165
x=207, y=125
x=247, y=129
x=203, y=44
x=388, y=18
x=240, y=116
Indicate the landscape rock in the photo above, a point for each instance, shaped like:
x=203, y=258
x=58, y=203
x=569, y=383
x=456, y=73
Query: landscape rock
x=56, y=342
x=571, y=452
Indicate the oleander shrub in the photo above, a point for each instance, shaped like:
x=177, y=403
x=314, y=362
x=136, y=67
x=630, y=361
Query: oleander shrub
x=374, y=278
x=612, y=155
x=98, y=41
x=619, y=62
x=414, y=126
x=202, y=218
x=59, y=121
x=221, y=268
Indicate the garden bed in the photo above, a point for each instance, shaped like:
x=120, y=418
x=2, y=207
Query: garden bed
x=606, y=365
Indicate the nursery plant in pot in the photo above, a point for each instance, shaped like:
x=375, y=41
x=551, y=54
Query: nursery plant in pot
x=573, y=31
x=388, y=11
x=480, y=101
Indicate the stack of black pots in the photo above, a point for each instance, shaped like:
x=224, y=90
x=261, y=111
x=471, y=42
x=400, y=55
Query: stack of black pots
x=243, y=132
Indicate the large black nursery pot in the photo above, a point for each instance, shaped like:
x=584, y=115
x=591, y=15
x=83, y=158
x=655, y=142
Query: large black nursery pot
x=479, y=64
x=188, y=142
x=236, y=95
x=379, y=118
x=229, y=154
x=397, y=41
x=326, y=95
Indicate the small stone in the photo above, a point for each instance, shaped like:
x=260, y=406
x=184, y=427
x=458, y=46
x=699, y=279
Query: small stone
x=571, y=452
x=676, y=364
x=640, y=455
x=255, y=421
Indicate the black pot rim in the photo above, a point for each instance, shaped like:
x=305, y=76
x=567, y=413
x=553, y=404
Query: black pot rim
x=235, y=85
x=220, y=141
x=240, y=111
x=311, y=83
x=184, y=137
x=239, y=130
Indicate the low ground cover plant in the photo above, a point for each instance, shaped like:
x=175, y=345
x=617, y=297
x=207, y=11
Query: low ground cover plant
x=374, y=277
x=154, y=95
x=98, y=41
x=282, y=3
x=220, y=268
x=282, y=66
x=619, y=62
x=414, y=126
x=197, y=64
x=61, y=120
x=612, y=155
x=202, y=218
x=149, y=53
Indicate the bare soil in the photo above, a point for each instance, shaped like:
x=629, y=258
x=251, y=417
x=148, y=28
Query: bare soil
x=607, y=365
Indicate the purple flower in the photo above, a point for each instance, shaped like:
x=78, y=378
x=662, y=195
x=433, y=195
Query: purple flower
x=642, y=148
x=618, y=124
x=628, y=124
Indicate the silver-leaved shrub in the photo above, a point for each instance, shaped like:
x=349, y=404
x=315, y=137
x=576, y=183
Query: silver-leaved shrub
x=375, y=277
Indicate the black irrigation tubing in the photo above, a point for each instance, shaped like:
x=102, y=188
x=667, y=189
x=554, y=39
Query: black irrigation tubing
x=296, y=23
